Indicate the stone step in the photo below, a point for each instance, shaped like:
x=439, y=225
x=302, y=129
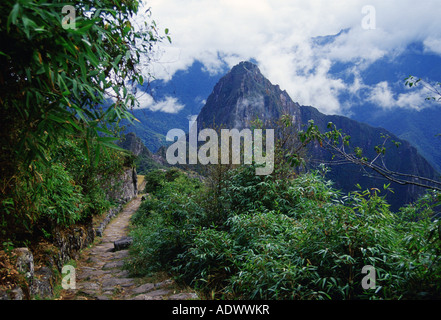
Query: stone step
x=101, y=274
x=122, y=244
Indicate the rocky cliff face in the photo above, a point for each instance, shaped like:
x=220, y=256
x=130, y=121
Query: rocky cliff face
x=123, y=187
x=145, y=160
x=244, y=94
x=134, y=144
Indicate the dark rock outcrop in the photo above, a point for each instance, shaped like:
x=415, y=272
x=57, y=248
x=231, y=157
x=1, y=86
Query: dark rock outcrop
x=123, y=187
x=122, y=244
x=145, y=160
x=134, y=144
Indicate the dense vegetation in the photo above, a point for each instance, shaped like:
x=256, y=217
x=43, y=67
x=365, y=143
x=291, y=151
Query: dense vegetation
x=68, y=191
x=58, y=68
x=272, y=238
x=239, y=236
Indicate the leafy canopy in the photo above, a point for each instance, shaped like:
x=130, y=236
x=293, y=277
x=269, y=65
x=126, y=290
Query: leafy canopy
x=55, y=77
x=65, y=83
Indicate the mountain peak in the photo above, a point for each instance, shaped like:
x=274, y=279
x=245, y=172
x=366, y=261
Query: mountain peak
x=247, y=71
x=241, y=96
x=245, y=66
x=244, y=94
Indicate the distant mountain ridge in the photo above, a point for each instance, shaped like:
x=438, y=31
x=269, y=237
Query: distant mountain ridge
x=244, y=94
x=419, y=127
x=192, y=86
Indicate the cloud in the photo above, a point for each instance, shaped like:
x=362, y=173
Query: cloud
x=413, y=100
x=168, y=105
x=200, y=100
x=279, y=34
x=382, y=95
x=433, y=45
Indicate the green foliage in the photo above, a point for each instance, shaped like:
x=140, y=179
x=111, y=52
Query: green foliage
x=54, y=78
x=166, y=220
x=65, y=86
x=288, y=239
x=61, y=199
x=92, y=179
x=68, y=191
x=156, y=180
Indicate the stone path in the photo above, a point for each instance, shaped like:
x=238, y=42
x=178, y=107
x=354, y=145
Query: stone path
x=99, y=272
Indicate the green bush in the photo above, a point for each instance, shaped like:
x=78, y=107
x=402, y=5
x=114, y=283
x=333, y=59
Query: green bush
x=289, y=239
x=154, y=181
x=209, y=261
x=55, y=81
x=167, y=223
x=61, y=200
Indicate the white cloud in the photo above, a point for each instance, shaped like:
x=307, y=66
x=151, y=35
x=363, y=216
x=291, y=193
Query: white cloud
x=278, y=34
x=382, y=95
x=412, y=100
x=168, y=105
x=433, y=45
x=200, y=100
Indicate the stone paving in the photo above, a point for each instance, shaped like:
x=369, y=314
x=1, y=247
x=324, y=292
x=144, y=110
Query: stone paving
x=99, y=272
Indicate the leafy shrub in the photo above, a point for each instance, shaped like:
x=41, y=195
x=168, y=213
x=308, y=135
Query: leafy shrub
x=62, y=199
x=167, y=222
x=209, y=262
x=289, y=239
x=154, y=181
x=55, y=81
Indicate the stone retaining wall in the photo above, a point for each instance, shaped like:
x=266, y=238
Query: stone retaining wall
x=40, y=279
x=65, y=245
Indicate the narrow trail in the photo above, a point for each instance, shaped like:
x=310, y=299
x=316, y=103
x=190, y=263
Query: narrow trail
x=99, y=272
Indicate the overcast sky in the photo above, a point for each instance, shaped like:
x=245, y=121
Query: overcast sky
x=278, y=33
